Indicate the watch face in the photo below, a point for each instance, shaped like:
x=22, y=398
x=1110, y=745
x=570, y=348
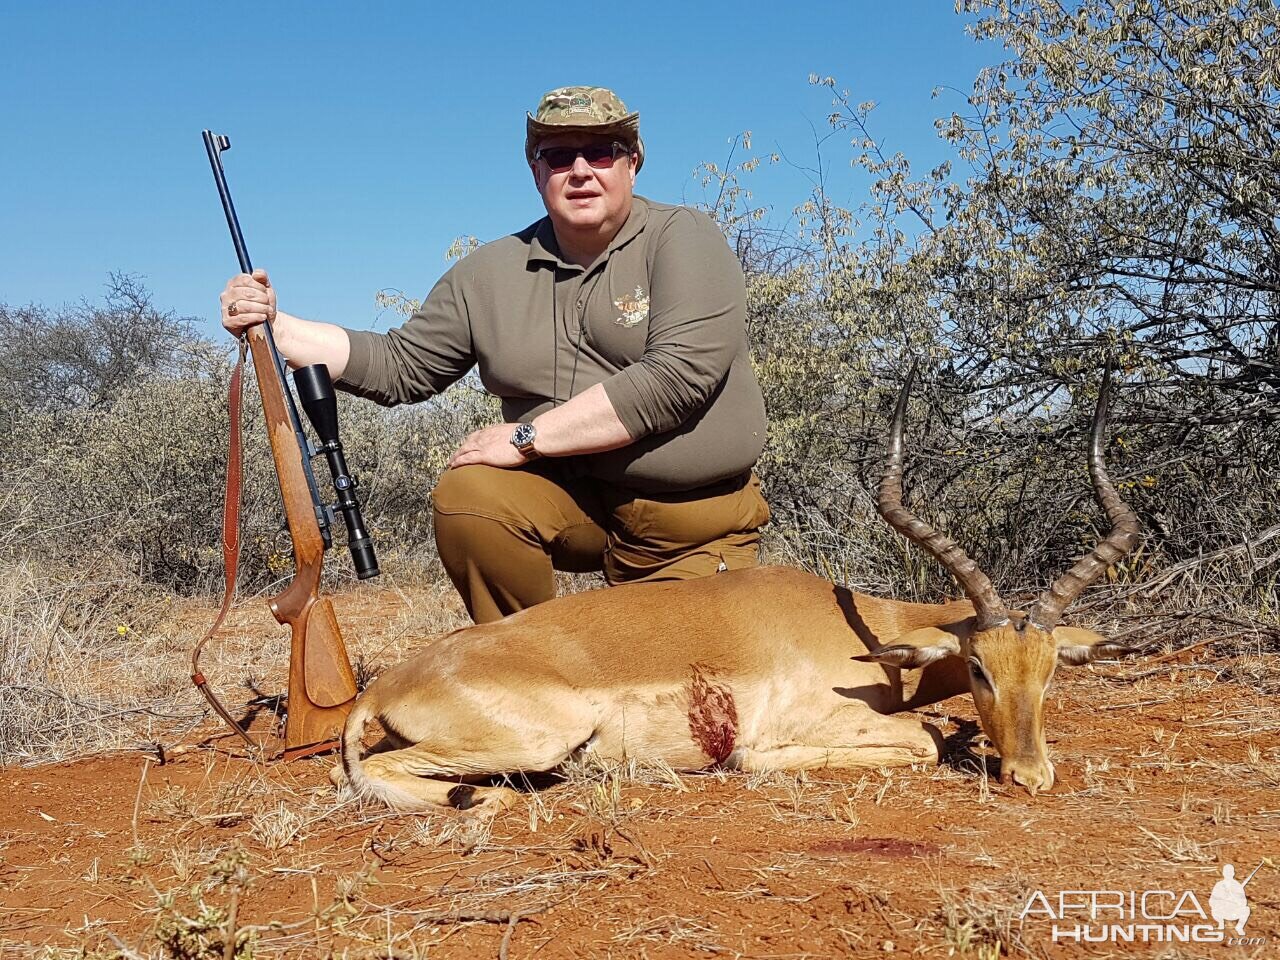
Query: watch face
x=524, y=435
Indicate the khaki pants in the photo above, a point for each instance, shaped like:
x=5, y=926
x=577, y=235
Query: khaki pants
x=502, y=533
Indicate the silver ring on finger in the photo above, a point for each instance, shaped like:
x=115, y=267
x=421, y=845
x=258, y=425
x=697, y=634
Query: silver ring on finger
x=234, y=308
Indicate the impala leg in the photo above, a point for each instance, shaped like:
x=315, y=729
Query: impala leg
x=854, y=736
x=417, y=774
x=405, y=789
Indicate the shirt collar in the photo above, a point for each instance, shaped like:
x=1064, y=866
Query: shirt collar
x=543, y=246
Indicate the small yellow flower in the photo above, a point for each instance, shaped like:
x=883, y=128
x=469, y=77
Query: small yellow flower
x=122, y=629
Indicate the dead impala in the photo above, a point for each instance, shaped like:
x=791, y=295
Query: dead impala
x=762, y=669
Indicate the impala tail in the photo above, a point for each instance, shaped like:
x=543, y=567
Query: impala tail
x=360, y=783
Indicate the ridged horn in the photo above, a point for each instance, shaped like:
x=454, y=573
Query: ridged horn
x=1124, y=535
x=976, y=585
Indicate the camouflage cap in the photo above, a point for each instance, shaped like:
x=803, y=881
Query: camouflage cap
x=582, y=110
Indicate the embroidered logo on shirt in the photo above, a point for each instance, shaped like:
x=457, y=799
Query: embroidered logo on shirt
x=634, y=307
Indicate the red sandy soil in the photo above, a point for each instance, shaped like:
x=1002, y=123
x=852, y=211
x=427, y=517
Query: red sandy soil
x=1164, y=779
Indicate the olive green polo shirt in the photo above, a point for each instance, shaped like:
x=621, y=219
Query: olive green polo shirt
x=659, y=319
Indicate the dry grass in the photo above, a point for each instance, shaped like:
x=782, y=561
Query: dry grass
x=84, y=665
x=980, y=920
x=92, y=662
x=690, y=932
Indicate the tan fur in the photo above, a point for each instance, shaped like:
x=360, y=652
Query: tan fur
x=752, y=669
x=1021, y=665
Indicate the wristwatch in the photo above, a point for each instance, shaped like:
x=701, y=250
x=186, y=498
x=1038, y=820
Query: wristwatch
x=522, y=439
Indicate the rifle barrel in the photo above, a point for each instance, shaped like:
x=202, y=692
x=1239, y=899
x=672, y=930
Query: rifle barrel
x=214, y=144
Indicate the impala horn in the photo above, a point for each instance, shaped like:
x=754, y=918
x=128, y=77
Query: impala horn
x=1124, y=535
x=976, y=585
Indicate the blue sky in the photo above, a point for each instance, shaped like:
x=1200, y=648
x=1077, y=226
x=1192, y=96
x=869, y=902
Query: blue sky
x=365, y=137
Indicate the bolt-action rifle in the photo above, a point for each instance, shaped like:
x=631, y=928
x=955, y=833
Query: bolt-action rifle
x=322, y=686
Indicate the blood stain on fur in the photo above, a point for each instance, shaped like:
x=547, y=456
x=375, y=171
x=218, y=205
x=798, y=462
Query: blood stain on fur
x=713, y=717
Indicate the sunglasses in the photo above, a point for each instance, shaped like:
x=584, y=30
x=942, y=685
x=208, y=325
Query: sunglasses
x=598, y=155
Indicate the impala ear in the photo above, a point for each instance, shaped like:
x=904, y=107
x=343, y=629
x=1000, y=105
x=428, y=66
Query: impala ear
x=916, y=649
x=1077, y=646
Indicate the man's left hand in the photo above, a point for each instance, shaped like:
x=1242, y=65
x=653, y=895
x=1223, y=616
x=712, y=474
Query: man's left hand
x=491, y=446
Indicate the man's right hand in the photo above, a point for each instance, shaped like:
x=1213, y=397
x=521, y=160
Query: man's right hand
x=247, y=300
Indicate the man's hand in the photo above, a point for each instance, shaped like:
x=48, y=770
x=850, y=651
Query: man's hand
x=247, y=300
x=491, y=446
x=585, y=424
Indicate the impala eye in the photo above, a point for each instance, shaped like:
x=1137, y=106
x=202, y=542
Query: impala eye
x=976, y=671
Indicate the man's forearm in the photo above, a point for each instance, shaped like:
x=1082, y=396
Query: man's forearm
x=585, y=424
x=304, y=342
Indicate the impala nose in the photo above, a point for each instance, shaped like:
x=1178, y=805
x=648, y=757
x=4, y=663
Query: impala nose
x=1032, y=776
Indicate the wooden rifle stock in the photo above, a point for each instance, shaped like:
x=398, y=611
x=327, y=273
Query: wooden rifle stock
x=322, y=686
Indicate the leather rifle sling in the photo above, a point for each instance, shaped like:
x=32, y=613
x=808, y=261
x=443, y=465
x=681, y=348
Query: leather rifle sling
x=230, y=546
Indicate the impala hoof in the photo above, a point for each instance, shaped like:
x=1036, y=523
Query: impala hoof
x=484, y=801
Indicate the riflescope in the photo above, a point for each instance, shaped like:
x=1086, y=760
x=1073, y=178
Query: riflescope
x=315, y=390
